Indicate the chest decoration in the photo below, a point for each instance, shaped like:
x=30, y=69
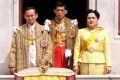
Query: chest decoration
x=43, y=41
x=60, y=32
x=71, y=31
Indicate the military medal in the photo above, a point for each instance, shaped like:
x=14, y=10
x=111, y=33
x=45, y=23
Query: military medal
x=44, y=43
x=32, y=41
x=71, y=33
x=96, y=40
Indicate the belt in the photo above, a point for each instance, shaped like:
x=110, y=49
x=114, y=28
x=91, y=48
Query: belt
x=91, y=50
x=60, y=44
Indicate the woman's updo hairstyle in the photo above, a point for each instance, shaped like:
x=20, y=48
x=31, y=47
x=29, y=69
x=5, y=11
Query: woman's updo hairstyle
x=95, y=12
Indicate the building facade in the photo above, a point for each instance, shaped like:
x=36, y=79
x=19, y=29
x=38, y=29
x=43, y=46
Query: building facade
x=109, y=11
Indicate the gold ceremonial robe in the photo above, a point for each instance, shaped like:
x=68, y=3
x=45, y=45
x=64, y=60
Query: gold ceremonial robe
x=97, y=52
x=67, y=22
x=19, y=51
x=70, y=30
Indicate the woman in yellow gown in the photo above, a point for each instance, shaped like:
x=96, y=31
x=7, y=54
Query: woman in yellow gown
x=92, y=49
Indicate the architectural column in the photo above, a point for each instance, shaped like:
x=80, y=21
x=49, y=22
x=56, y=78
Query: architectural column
x=93, y=4
x=16, y=13
x=6, y=30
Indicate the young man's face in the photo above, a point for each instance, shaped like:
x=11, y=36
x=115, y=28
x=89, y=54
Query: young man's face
x=30, y=16
x=60, y=12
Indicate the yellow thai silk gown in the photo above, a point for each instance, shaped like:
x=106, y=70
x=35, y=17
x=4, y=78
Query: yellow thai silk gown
x=92, y=58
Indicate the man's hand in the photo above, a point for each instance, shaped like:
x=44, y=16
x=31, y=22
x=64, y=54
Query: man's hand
x=12, y=70
x=76, y=69
x=108, y=69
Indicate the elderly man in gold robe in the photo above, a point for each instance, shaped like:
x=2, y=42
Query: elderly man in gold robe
x=63, y=32
x=31, y=45
x=92, y=48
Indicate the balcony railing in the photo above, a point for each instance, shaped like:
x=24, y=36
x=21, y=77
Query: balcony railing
x=79, y=77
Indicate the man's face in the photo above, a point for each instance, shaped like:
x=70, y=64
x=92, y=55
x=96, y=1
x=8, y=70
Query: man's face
x=60, y=12
x=30, y=16
x=92, y=20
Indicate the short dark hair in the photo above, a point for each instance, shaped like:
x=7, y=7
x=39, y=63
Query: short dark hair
x=29, y=8
x=60, y=4
x=97, y=14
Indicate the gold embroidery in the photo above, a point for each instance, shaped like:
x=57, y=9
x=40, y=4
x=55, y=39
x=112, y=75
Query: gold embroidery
x=31, y=40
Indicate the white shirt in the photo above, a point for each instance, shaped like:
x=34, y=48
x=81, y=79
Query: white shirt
x=32, y=47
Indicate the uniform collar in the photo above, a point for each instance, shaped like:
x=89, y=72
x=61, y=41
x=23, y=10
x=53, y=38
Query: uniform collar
x=59, y=21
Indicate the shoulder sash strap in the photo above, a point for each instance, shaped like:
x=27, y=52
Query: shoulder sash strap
x=89, y=41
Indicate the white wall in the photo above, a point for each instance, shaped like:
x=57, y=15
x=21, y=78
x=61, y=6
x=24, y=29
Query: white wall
x=6, y=24
x=9, y=17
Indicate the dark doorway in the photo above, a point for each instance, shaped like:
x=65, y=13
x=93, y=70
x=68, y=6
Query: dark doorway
x=76, y=9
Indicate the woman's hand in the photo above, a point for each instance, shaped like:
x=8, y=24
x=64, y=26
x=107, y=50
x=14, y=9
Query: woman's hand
x=108, y=69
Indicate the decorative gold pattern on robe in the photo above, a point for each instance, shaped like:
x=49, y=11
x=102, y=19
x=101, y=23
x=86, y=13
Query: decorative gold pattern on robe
x=19, y=51
x=69, y=41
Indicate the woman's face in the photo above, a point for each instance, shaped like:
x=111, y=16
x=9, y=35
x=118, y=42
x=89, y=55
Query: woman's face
x=92, y=21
